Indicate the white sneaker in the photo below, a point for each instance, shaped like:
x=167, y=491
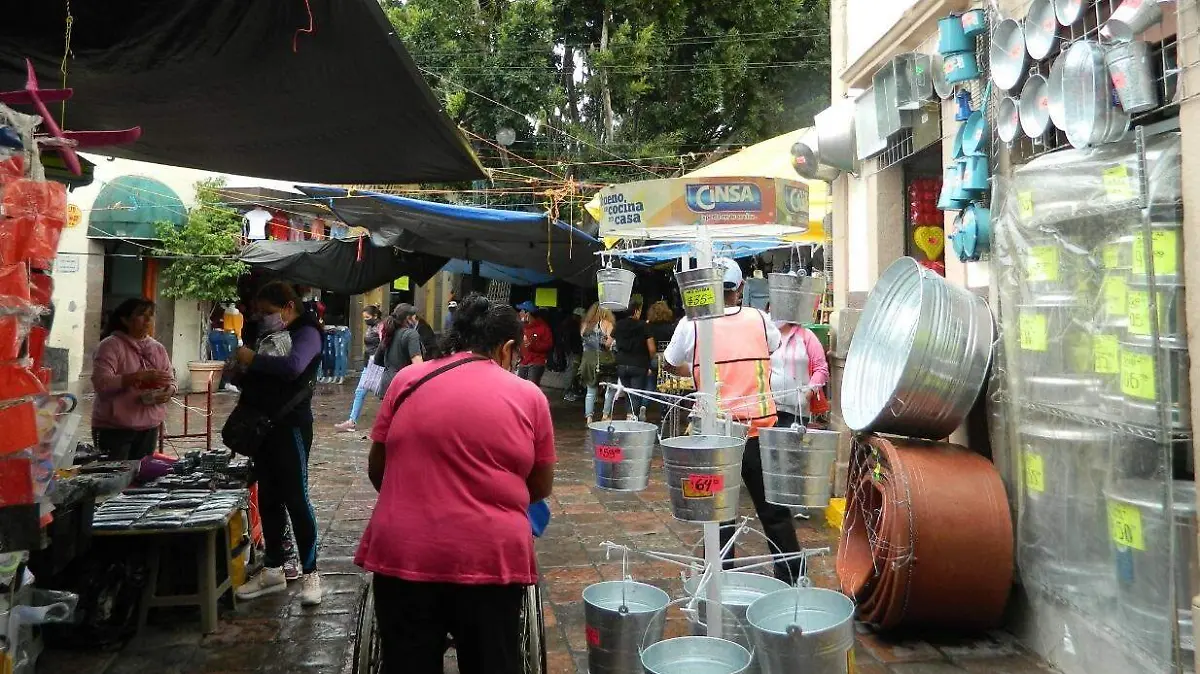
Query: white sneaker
x=310, y=593
x=267, y=581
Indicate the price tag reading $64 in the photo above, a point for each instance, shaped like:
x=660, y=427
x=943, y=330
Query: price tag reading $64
x=609, y=454
x=699, y=297
x=703, y=486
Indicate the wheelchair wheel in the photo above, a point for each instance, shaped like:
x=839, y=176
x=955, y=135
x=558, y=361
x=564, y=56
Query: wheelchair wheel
x=368, y=658
x=533, y=632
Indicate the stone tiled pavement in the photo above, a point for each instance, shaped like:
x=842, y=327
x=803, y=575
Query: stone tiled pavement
x=275, y=635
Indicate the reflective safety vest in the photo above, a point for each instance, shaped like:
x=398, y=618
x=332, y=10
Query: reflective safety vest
x=743, y=360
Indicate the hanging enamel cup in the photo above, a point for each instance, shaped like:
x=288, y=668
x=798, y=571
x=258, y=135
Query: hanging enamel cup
x=975, y=174
x=974, y=22
x=960, y=67
x=951, y=38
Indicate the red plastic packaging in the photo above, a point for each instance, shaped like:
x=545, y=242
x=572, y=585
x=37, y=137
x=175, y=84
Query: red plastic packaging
x=18, y=382
x=12, y=334
x=14, y=238
x=41, y=288
x=43, y=241
x=16, y=481
x=12, y=168
x=37, y=344
x=20, y=428
x=44, y=375
x=14, y=286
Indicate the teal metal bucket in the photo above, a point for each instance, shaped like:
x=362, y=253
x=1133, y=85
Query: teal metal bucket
x=974, y=23
x=951, y=37
x=948, y=200
x=961, y=67
x=975, y=174
x=975, y=135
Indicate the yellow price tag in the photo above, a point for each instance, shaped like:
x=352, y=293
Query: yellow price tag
x=1138, y=310
x=545, y=297
x=1025, y=205
x=1034, y=334
x=1043, y=263
x=1164, y=246
x=699, y=297
x=600, y=292
x=401, y=284
x=1125, y=524
x=1107, y=353
x=1035, y=471
x=1116, y=298
x=1112, y=256
x=1118, y=184
x=1137, y=375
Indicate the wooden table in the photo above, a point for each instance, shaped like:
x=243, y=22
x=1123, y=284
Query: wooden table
x=209, y=591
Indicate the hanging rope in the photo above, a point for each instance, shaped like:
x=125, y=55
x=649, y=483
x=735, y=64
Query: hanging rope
x=310, y=30
x=63, y=65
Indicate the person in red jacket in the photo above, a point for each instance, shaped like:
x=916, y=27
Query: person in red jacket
x=539, y=342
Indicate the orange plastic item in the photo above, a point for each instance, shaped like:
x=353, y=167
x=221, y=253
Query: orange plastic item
x=14, y=286
x=16, y=481
x=18, y=381
x=37, y=344
x=14, y=238
x=41, y=288
x=12, y=334
x=12, y=169
x=44, y=375
x=256, y=531
x=36, y=198
x=20, y=428
x=43, y=241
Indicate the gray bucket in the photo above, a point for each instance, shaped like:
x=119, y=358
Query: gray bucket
x=615, y=286
x=703, y=292
x=704, y=476
x=805, y=630
x=798, y=465
x=695, y=655
x=621, y=452
x=1132, y=75
x=615, y=635
x=794, y=299
x=738, y=591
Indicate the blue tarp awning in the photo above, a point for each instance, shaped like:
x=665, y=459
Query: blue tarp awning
x=733, y=249
x=497, y=272
x=527, y=241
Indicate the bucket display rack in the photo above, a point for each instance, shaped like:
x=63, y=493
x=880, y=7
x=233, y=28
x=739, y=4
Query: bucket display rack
x=1091, y=285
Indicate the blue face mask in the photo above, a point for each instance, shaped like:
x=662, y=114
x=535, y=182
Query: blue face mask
x=273, y=323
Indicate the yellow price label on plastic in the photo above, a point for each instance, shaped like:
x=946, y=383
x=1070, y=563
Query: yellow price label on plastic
x=1034, y=333
x=1137, y=374
x=1118, y=184
x=1035, y=471
x=1164, y=246
x=1111, y=256
x=1025, y=205
x=1106, y=351
x=699, y=297
x=1125, y=525
x=1043, y=263
x=1137, y=307
x=1116, y=298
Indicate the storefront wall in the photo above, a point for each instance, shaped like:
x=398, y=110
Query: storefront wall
x=869, y=235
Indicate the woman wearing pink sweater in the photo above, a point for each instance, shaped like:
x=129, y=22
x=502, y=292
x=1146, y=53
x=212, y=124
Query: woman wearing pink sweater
x=133, y=379
x=799, y=370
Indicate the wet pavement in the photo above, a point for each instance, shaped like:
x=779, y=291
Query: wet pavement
x=275, y=634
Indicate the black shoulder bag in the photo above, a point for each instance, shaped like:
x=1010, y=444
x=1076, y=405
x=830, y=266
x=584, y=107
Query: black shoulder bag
x=247, y=428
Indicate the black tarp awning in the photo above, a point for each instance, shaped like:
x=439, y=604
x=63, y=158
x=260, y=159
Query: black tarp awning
x=335, y=265
x=215, y=85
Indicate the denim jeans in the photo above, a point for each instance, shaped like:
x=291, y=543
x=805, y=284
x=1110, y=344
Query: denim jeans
x=589, y=401
x=634, y=377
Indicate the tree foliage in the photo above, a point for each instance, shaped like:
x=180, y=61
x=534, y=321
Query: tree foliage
x=204, y=265
x=587, y=84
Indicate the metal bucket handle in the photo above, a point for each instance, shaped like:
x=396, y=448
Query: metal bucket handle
x=694, y=616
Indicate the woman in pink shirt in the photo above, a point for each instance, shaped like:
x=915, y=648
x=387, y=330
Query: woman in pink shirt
x=461, y=447
x=799, y=370
x=133, y=379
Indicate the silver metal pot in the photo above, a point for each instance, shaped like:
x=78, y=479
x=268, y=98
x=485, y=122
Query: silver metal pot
x=1041, y=29
x=1171, y=301
x=1166, y=240
x=1008, y=119
x=1086, y=95
x=1009, y=59
x=1054, y=92
x=835, y=136
x=1139, y=382
x=1035, y=107
x=1053, y=338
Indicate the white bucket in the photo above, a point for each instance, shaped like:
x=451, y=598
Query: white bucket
x=615, y=287
x=204, y=372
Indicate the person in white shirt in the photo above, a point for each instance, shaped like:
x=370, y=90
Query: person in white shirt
x=256, y=224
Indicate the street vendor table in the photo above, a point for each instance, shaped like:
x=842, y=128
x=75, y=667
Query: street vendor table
x=209, y=534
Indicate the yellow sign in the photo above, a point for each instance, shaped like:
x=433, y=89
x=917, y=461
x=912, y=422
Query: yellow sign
x=1125, y=525
x=1112, y=256
x=1035, y=471
x=546, y=297
x=1043, y=264
x=646, y=207
x=1034, y=335
x=1138, y=308
x=400, y=283
x=1118, y=184
x=1107, y=352
x=1137, y=375
x=1164, y=245
x=74, y=216
x=1115, y=296
x=1025, y=205
x=699, y=297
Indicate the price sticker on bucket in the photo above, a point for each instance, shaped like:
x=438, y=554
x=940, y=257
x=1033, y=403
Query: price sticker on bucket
x=1118, y=184
x=1138, y=309
x=1163, y=246
x=609, y=454
x=593, y=636
x=1112, y=256
x=699, y=297
x=1106, y=350
x=1042, y=264
x=1125, y=525
x=1034, y=334
x=703, y=486
x=1116, y=298
x=1137, y=374
x=1025, y=205
x=1035, y=471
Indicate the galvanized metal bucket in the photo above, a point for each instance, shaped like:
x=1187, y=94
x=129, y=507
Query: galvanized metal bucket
x=703, y=293
x=621, y=452
x=807, y=630
x=797, y=465
x=615, y=286
x=1130, y=19
x=1133, y=76
x=695, y=655
x=619, y=615
x=704, y=476
x=738, y=591
x=794, y=299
